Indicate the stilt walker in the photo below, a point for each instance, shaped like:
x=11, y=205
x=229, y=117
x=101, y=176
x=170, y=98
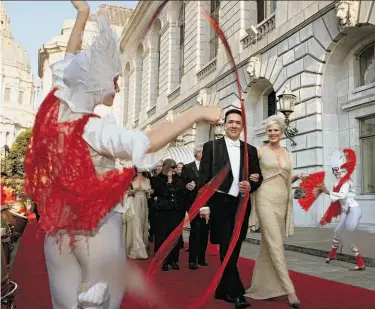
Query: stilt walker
x=343, y=202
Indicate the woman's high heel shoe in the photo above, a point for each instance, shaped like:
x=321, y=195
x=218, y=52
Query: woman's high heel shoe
x=296, y=304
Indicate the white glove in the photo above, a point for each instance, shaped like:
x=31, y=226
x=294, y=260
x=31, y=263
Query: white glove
x=94, y=297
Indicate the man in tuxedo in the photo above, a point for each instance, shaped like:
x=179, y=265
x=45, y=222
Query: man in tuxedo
x=198, y=238
x=221, y=208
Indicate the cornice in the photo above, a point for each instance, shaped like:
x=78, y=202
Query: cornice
x=134, y=28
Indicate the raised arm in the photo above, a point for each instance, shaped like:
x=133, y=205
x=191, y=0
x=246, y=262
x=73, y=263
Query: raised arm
x=75, y=39
x=164, y=133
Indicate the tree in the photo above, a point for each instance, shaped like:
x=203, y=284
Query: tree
x=16, y=156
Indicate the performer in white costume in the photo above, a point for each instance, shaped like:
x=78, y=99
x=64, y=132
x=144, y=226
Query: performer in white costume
x=344, y=194
x=84, y=249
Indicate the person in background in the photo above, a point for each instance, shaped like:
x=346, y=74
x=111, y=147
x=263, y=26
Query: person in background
x=179, y=168
x=198, y=237
x=167, y=188
x=151, y=205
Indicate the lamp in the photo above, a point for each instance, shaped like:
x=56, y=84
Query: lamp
x=287, y=101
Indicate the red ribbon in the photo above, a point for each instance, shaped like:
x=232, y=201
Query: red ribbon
x=208, y=190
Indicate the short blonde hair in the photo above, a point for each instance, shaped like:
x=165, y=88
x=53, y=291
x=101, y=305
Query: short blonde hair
x=275, y=119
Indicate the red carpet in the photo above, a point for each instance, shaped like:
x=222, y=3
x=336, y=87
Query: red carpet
x=178, y=287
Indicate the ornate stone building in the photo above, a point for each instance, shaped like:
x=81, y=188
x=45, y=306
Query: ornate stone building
x=321, y=51
x=54, y=49
x=18, y=90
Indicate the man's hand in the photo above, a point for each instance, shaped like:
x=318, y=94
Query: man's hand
x=211, y=114
x=205, y=214
x=244, y=186
x=254, y=177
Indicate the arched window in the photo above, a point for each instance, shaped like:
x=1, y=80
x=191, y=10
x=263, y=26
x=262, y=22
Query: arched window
x=181, y=25
x=214, y=37
x=158, y=42
x=138, y=80
x=269, y=103
x=367, y=65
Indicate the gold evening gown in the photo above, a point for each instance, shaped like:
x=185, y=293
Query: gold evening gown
x=273, y=206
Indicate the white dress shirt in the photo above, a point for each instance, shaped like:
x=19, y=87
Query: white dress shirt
x=234, y=152
x=197, y=164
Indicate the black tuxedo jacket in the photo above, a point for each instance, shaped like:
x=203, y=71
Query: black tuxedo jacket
x=190, y=173
x=215, y=157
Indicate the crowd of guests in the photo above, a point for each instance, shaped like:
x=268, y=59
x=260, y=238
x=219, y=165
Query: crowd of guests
x=155, y=205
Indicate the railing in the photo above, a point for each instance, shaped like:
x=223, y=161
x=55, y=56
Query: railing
x=208, y=69
x=174, y=94
x=263, y=28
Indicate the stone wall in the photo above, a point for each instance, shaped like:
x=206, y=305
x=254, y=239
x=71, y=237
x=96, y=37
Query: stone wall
x=309, y=47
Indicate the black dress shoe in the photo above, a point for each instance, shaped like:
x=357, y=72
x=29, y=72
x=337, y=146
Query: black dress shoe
x=226, y=298
x=240, y=302
x=193, y=266
x=165, y=267
x=203, y=263
x=175, y=266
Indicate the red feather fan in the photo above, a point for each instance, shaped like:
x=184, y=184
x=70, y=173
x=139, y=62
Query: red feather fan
x=307, y=187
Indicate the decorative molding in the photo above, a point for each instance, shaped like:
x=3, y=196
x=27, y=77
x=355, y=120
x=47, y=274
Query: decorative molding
x=169, y=116
x=219, y=130
x=135, y=123
x=151, y=111
x=253, y=68
x=202, y=97
x=358, y=102
x=174, y=94
x=261, y=30
x=347, y=13
x=207, y=70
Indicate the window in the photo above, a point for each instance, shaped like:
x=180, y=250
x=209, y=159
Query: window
x=367, y=66
x=367, y=136
x=269, y=105
x=265, y=8
x=214, y=37
x=181, y=24
x=7, y=95
x=158, y=71
x=20, y=97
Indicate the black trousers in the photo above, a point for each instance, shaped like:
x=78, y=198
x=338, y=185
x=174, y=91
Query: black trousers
x=167, y=221
x=198, y=239
x=230, y=282
x=151, y=219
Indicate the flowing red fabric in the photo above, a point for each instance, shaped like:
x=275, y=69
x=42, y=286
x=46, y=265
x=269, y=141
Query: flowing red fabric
x=308, y=186
x=61, y=178
x=334, y=209
x=206, y=192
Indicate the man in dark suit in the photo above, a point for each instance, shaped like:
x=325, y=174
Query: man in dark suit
x=221, y=208
x=198, y=238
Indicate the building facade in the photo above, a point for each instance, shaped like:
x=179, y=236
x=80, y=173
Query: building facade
x=323, y=51
x=54, y=49
x=18, y=90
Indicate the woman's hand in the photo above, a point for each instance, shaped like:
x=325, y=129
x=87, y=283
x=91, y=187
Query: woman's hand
x=303, y=176
x=81, y=6
x=254, y=177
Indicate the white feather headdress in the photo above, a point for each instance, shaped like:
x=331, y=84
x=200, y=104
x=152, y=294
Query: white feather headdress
x=337, y=159
x=84, y=79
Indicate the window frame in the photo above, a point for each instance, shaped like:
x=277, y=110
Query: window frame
x=214, y=37
x=21, y=97
x=268, y=8
x=361, y=139
x=361, y=79
x=181, y=26
x=7, y=91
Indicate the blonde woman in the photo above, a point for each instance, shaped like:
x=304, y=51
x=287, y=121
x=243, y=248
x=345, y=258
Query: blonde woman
x=273, y=207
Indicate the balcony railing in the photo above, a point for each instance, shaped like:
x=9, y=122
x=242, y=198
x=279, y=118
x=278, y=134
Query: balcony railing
x=263, y=28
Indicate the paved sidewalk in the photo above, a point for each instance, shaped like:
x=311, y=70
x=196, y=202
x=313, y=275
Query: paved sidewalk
x=318, y=241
